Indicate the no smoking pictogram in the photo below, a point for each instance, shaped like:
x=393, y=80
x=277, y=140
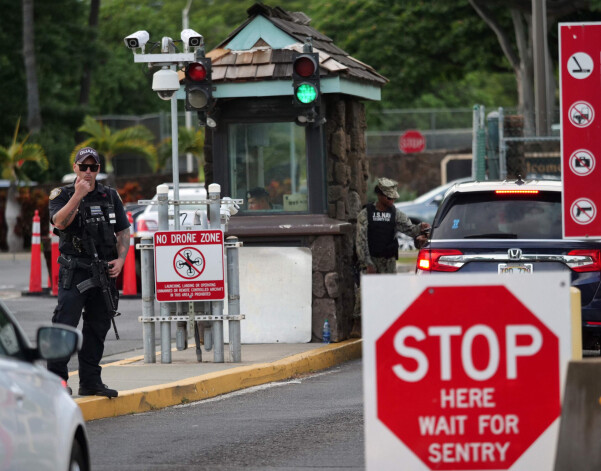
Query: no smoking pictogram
x=189, y=263
x=583, y=211
x=580, y=65
x=581, y=114
x=582, y=162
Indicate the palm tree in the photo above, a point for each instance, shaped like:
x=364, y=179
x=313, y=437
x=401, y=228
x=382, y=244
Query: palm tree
x=132, y=140
x=189, y=141
x=12, y=159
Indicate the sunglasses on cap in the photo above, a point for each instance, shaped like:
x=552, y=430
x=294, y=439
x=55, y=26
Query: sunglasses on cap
x=85, y=167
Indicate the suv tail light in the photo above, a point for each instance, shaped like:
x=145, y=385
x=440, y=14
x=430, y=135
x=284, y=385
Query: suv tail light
x=438, y=260
x=591, y=260
x=146, y=226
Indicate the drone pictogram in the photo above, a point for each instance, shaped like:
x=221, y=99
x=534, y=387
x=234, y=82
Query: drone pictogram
x=189, y=262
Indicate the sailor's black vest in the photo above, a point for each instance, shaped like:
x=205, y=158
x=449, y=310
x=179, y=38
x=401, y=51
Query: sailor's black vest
x=381, y=232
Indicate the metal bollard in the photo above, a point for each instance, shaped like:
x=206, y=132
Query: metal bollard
x=147, y=273
x=233, y=303
x=216, y=306
x=163, y=208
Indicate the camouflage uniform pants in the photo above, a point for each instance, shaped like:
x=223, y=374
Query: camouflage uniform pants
x=383, y=265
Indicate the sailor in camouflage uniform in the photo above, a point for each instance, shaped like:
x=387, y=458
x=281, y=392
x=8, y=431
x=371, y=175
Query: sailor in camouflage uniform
x=376, y=243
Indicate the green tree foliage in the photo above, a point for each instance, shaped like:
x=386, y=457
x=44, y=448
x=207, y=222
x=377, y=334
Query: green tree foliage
x=421, y=46
x=60, y=48
x=132, y=140
x=189, y=141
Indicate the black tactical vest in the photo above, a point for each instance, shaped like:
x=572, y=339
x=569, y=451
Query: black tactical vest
x=381, y=232
x=95, y=219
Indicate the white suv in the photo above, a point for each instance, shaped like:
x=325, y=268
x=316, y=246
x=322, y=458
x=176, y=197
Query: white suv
x=147, y=223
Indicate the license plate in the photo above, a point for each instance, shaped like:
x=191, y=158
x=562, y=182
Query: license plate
x=515, y=268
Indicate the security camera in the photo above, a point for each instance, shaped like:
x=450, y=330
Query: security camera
x=165, y=82
x=137, y=39
x=191, y=38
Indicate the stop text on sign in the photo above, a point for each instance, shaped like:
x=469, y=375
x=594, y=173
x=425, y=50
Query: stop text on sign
x=446, y=333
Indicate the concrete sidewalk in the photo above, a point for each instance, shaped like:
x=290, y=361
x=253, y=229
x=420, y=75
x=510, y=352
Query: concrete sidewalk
x=149, y=386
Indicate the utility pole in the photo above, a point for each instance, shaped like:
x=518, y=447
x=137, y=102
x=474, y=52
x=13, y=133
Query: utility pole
x=188, y=114
x=539, y=42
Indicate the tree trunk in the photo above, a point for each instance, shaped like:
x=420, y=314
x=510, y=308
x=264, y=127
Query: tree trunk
x=11, y=213
x=34, y=116
x=86, y=75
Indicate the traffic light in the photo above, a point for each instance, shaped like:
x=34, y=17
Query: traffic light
x=305, y=79
x=199, y=85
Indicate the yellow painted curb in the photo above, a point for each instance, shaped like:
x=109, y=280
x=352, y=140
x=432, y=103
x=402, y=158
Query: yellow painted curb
x=217, y=383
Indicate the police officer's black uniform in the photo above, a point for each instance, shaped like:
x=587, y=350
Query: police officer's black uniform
x=104, y=209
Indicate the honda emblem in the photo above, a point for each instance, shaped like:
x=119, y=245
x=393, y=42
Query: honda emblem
x=515, y=254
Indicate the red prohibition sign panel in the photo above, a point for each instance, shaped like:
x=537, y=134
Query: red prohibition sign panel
x=583, y=211
x=456, y=385
x=189, y=263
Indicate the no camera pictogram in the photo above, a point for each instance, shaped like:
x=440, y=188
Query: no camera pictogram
x=581, y=114
x=583, y=211
x=582, y=162
x=189, y=263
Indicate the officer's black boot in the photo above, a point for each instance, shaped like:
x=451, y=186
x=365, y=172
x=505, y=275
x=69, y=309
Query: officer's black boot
x=98, y=390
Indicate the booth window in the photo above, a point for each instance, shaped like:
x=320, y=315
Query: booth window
x=268, y=163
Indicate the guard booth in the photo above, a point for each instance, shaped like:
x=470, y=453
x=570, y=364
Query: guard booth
x=313, y=173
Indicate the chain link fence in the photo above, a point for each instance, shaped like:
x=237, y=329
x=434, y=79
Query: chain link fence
x=502, y=149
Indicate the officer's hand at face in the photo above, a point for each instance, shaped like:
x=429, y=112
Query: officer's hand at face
x=82, y=187
x=115, y=267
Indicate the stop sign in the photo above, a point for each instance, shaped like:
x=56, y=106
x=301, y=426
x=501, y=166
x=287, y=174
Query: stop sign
x=412, y=141
x=457, y=376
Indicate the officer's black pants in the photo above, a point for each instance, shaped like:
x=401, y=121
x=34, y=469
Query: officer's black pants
x=96, y=324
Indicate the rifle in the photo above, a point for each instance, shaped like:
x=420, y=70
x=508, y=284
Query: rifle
x=100, y=279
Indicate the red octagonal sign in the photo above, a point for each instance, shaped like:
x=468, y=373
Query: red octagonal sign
x=412, y=141
x=468, y=377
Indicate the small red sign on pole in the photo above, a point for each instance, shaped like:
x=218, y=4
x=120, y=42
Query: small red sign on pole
x=411, y=142
x=189, y=265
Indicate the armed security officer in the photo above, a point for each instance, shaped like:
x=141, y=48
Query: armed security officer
x=87, y=209
x=376, y=242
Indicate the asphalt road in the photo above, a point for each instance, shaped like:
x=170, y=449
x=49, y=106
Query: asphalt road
x=314, y=422
x=34, y=311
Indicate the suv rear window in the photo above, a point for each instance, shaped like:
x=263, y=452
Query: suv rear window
x=486, y=215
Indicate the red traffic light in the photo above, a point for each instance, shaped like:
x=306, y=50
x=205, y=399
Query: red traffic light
x=196, y=72
x=305, y=66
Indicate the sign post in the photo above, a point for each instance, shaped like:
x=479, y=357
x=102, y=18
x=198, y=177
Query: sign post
x=464, y=374
x=580, y=75
x=189, y=265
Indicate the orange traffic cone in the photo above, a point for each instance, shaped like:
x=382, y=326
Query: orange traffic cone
x=55, y=267
x=129, y=269
x=35, y=272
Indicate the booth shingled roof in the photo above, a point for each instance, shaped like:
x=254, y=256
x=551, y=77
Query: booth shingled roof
x=262, y=62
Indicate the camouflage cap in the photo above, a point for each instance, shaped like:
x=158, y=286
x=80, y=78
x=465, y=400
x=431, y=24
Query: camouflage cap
x=388, y=187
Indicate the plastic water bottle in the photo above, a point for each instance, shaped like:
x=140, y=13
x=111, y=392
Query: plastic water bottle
x=326, y=332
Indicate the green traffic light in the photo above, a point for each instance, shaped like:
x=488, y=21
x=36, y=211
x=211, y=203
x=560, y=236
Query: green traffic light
x=306, y=93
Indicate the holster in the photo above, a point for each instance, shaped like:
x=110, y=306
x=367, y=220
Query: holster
x=70, y=266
